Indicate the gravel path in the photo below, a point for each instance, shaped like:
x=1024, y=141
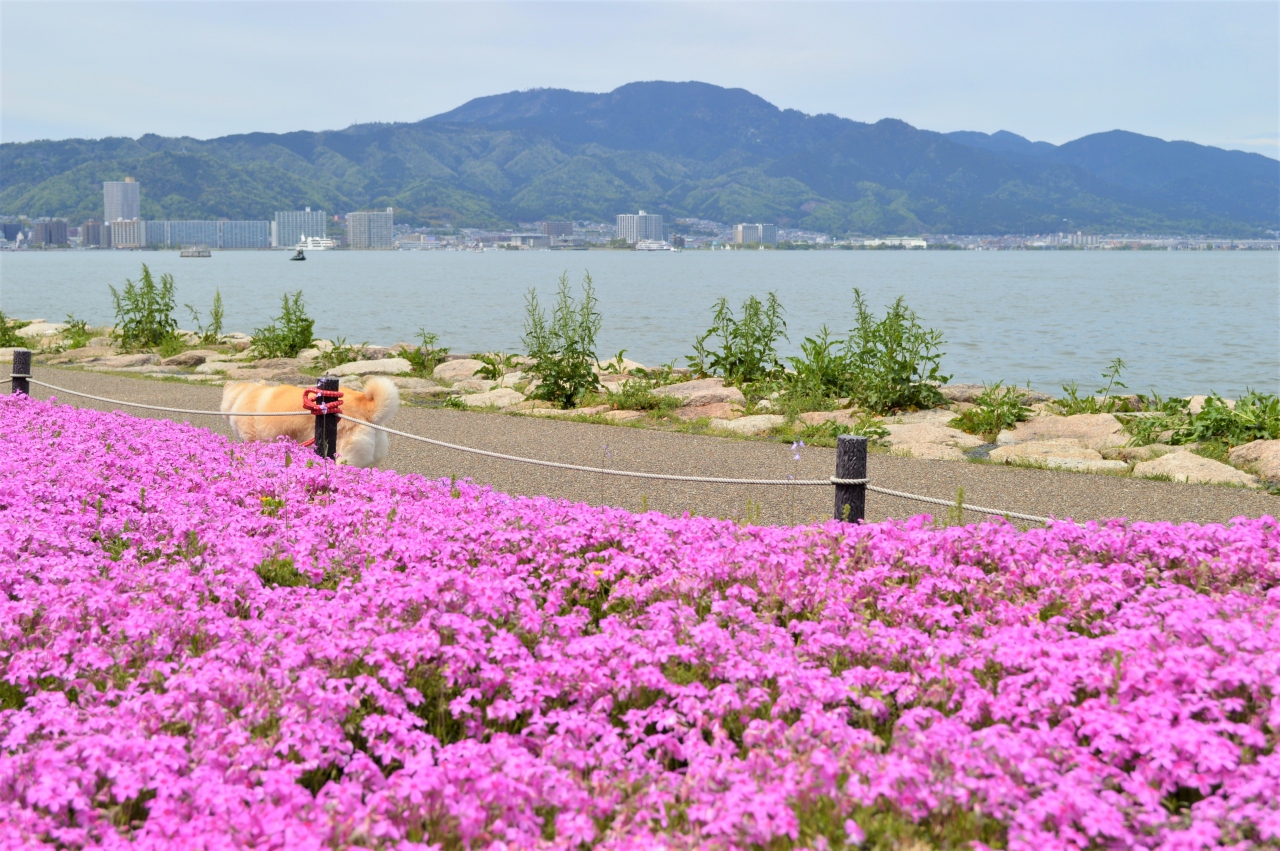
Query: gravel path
x=1078, y=495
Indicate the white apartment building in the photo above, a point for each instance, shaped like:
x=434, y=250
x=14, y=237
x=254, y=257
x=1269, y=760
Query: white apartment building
x=367, y=230
x=757, y=234
x=291, y=226
x=121, y=200
x=635, y=228
x=128, y=233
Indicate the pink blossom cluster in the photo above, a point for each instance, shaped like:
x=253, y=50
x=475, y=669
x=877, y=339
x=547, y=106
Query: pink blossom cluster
x=211, y=645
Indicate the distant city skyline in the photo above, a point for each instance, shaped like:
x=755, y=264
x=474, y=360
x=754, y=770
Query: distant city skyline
x=1202, y=72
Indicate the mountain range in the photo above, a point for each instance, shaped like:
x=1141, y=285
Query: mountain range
x=682, y=149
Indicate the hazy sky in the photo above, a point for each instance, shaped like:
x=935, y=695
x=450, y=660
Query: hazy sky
x=1208, y=72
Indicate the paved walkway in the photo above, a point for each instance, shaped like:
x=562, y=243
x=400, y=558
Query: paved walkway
x=1078, y=495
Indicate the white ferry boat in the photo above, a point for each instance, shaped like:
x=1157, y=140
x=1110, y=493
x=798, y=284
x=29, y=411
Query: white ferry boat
x=653, y=245
x=315, y=243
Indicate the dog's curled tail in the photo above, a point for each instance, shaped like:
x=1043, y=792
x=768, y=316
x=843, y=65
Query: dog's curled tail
x=385, y=398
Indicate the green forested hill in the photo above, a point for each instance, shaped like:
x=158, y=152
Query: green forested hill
x=684, y=149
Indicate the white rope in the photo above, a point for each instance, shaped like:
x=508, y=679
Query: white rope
x=979, y=509
x=576, y=467
x=604, y=470
x=173, y=410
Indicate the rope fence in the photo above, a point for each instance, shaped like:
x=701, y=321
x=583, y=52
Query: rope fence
x=850, y=481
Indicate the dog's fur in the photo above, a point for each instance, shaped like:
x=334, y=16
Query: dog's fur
x=358, y=446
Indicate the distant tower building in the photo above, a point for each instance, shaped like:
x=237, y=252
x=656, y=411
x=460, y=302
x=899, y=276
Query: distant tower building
x=49, y=233
x=634, y=228
x=370, y=230
x=756, y=234
x=293, y=225
x=91, y=234
x=120, y=200
x=554, y=229
x=245, y=234
x=11, y=230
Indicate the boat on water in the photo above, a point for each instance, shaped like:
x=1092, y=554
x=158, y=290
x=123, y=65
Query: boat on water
x=298, y=255
x=654, y=245
x=315, y=243
x=195, y=252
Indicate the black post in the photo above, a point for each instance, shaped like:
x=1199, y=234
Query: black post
x=327, y=424
x=21, y=371
x=851, y=463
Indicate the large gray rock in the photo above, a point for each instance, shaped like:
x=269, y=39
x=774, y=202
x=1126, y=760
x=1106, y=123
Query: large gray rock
x=457, y=370
x=705, y=391
x=475, y=385
x=929, y=451
x=499, y=398
x=1196, y=469
x=122, y=361
x=1196, y=403
x=1262, y=456
x=416, y=385
x=1044, y=451
x=191, y=358
x=386, y=366
x=42, y=329
x=970, y=392
x=88, y=353
x=913, y=433
x=716, y=410
x=750, y=426
x=216, y=367
x=1095, y=431
x=934, y=416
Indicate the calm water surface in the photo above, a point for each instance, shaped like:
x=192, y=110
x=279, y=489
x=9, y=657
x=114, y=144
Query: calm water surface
x=1184, y=322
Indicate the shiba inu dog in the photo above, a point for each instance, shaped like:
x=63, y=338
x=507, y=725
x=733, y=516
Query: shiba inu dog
x=357, y=446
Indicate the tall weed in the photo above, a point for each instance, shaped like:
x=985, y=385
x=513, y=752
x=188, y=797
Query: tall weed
x=288, y=333
x=428, y=355
x=563, y=346
x=894, y=362
x=9, y=337
x=998, y=408
x=144, y=312
x=209, y=334
x=743, y=350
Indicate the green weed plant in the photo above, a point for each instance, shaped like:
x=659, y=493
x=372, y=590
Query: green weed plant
x=288, y=333
x=998, y=408
x=209, y=334
x=742, y=350
x=427, y=356
x=144, y=312
x=562, y=346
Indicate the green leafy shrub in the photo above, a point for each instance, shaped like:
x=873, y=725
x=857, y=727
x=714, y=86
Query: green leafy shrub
x=744, y=350
x=828, y=433
x=340, y=353
x=427, y=356
x=1161, y=417
x=77, y=334
x=1101, y=402
x=9, y=337
x=209, y=334
x=636, y=394
x=998, y=408
x=288, y=333
x=1256, y=417
x=144, y=312
x=821, y=373
x=893, y=362
x=171, y=345
x=562, y=347
x=496, y=365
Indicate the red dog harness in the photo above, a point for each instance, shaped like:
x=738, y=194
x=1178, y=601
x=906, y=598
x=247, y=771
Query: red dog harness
x=321, y=402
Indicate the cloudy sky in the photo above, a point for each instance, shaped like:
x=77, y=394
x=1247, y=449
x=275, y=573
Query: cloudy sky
x=1205, y=72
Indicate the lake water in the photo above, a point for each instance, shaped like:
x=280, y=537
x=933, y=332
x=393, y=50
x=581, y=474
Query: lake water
x=1184, y=322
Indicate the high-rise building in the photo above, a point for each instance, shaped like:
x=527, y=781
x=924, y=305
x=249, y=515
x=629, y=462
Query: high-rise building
x=293, y=225
x=244, y=234
x=121, y=200
x=11, y=230
x=554, y=229
x=128, y=233
x=756, y=234
x=371, y=230
x=49, y=233
x=634, y=228
x=91, y=234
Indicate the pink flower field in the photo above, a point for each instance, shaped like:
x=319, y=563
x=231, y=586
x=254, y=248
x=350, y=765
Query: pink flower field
x=212, y=645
